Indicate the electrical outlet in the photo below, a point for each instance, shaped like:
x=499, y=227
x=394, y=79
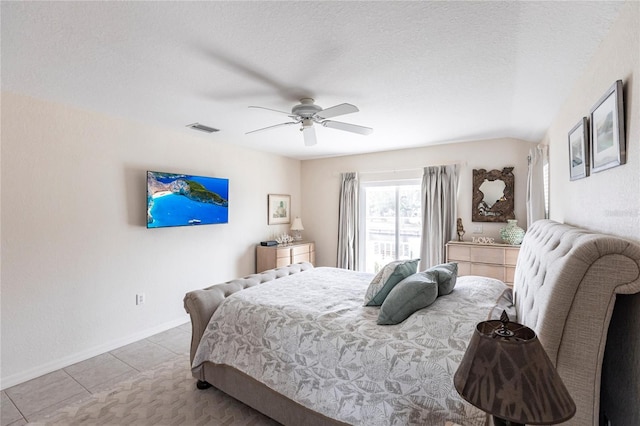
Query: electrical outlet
x=477, y=229
x=140, y=299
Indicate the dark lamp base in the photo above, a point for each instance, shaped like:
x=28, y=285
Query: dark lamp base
x=497, y=421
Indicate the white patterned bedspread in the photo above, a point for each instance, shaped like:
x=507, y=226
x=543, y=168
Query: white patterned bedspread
x=307, y=336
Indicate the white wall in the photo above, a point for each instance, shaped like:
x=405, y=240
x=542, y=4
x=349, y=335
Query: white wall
x=608, y=201
x=75, y=248
x=321, y=183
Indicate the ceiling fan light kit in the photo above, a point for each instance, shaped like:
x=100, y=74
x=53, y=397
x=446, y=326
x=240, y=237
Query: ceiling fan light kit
x=306, y=122
x=306, y=113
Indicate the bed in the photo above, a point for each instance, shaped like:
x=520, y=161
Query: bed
x=297, y=344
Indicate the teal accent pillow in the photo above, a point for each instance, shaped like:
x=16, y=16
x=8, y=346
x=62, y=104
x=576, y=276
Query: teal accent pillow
x=390, y=275
x=447, y=276
x=411, y=294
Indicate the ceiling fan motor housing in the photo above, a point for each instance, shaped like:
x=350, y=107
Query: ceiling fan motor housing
x=306, y=108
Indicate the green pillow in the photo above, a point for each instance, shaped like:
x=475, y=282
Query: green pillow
x=390, y=275
x=411, y=294
x=447, y=275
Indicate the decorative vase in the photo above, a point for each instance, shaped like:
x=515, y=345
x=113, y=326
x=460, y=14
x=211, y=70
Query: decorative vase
x=512, y=233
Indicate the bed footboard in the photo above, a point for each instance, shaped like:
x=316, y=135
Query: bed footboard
x=201, y=304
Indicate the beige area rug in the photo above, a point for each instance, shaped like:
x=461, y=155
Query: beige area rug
x=166, y=395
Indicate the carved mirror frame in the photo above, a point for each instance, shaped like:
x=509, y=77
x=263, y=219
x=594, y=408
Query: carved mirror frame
x=502, y=209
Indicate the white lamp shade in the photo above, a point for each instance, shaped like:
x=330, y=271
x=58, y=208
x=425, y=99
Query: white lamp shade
x=297, y=225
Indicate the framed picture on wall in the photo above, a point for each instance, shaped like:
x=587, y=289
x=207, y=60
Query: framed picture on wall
x=606, y=121
x=279, y=209
x=579, y=150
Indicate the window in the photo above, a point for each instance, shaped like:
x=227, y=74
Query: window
x=545, y=174
x=392, y=223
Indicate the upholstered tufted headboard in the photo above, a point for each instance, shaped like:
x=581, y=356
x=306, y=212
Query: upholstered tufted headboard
x=565, y=288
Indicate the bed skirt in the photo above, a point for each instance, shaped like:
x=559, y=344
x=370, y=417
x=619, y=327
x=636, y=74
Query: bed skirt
x=262, y=398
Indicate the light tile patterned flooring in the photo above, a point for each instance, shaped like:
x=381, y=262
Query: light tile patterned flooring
x=43, y=395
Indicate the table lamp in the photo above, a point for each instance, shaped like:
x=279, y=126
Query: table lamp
x=296, y=227
x=506, y=373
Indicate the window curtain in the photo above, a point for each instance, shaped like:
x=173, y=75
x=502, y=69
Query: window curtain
x=439, y=193
x=348, y=222
x=536, y=205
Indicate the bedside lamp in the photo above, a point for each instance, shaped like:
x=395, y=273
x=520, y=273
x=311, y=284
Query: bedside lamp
x=296, y=227
x=506, y=373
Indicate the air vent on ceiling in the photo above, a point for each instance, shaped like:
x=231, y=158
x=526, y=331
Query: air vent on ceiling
x=203, y=128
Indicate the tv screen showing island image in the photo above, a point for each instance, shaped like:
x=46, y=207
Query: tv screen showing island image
x=183, y=200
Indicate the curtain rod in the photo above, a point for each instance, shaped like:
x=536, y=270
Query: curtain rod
x=366, y=172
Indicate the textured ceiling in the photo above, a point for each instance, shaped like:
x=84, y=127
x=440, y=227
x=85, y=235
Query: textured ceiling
x=421, y=72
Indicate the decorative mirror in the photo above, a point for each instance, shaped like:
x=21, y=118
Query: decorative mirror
x=492, y=195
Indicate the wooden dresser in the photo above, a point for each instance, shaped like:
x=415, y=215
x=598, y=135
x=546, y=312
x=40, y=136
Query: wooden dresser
x=277, y=256
x=488, y=260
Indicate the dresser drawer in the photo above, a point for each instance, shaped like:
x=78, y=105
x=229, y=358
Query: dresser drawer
x=511, y=256
x=464, y=268
x=304, y=257
x=491, y=271
x=283, y=261
x=459, y=253
x=298, y=250
x=487, y=255
x=283, y=253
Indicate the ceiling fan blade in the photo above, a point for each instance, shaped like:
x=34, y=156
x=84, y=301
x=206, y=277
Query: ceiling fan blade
x=273, y=127
x=348, y=127
x=309, y=136
x=334, y=111
x=271, y=109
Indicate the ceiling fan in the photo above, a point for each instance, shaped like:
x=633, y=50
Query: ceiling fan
x=307, y=113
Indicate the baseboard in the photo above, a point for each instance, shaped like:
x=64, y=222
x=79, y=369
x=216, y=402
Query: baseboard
x=16, y=379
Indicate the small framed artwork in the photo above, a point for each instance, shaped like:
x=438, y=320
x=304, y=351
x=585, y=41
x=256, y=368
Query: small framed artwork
x=279, y=209
x=606, y=121
x=579, y=150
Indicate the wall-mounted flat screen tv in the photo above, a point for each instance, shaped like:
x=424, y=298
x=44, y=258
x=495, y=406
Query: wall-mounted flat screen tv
x=183, y=200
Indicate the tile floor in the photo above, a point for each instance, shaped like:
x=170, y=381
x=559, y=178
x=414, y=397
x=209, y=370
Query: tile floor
x=43, y=395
